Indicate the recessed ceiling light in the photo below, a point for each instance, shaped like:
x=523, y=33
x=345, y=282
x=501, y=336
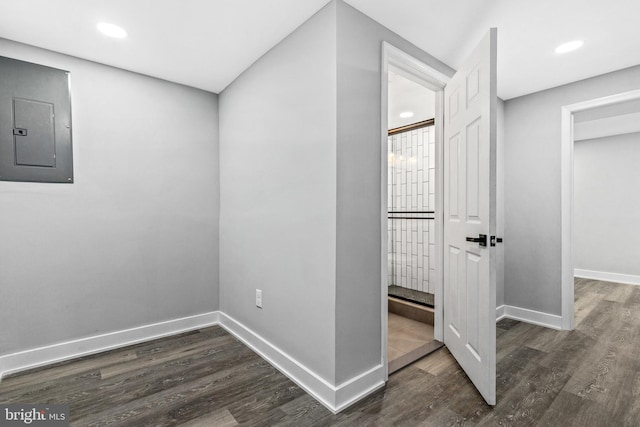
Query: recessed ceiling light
x=112, y=30
x=406, y=114
x=568, y=47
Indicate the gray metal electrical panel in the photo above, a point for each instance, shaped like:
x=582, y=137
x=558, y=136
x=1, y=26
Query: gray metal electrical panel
x=35, y=123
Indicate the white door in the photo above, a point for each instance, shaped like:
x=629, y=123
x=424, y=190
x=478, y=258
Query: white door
x=470, y=103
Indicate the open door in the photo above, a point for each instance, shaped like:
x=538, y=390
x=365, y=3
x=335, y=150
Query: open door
x=470, y=103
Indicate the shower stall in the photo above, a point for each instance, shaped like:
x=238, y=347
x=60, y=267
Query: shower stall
x=411, y=204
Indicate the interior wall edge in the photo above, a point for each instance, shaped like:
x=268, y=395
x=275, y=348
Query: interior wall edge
x=282, y=163
x=333, y=397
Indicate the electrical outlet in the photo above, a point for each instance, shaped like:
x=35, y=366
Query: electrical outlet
x=258, y=298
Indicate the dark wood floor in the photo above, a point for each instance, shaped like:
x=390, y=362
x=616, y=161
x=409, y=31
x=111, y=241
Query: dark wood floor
x=588, y=377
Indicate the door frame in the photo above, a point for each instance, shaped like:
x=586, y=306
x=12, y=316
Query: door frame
x=416, y=70
x=567, y=205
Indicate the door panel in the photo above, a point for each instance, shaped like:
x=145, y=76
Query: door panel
x=469, y=211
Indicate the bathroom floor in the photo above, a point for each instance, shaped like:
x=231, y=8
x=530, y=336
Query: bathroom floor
x=408, y=341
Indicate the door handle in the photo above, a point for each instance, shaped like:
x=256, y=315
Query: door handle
x=481, y=239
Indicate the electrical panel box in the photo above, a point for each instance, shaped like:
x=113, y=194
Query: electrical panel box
x=35, y=123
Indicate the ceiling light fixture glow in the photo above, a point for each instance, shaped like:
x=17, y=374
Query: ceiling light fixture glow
x=568, y=47
x=111, y=30
x=406, y=114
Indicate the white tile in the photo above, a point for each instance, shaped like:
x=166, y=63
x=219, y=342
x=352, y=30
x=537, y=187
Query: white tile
x=414, y=196
x=425, y=261
x=409, y=188
x=432, y=263
x=425, y=187
x=403, y=238
x=432, y=155
x=432, y=181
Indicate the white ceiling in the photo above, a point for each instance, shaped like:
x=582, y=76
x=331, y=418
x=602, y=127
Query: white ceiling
x=208, y=43
x=408, y=96
x=200, y=43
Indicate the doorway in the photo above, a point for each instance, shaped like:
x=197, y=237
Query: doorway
x=411, y=221
x=567, y=196
x=411, y=208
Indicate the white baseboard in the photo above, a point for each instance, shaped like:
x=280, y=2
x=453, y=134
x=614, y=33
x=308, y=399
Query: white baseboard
x=32, y=358
x=530, y=316
x=335, y=398
x=627, y=279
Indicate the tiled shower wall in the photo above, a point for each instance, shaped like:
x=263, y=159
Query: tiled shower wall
x=412, y=188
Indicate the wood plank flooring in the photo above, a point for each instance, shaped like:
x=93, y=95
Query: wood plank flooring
x=587, y=377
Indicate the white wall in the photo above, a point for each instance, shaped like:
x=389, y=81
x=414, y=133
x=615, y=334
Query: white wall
x=133, y=240
x=532, y=188
x=607, y=204
x=278, y=195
